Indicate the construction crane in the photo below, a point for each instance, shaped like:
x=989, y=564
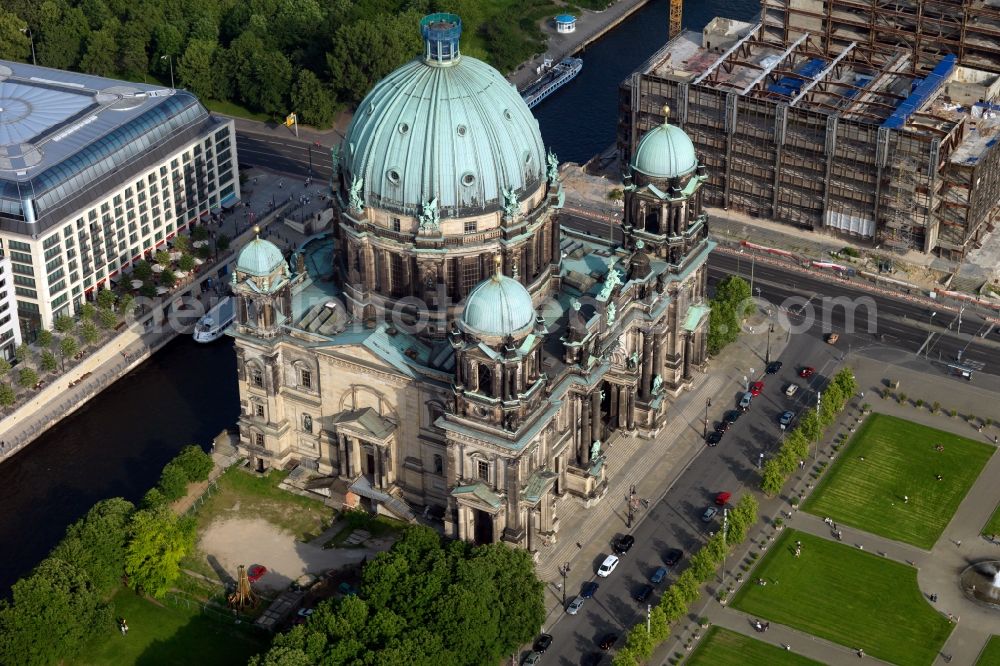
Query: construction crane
x=676, y=10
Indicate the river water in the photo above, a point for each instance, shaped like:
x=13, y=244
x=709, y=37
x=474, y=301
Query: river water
x=186, y=393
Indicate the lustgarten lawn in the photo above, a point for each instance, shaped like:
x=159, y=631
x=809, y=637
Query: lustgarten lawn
x=722, y=647
x=848, y=596
x=990, y=656
x=885, y=480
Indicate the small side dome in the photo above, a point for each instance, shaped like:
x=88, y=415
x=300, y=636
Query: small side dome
x=259, y=258
x=497, y=308
x=665, y=152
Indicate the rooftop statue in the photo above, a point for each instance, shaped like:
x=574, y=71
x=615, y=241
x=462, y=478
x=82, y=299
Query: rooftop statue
x=657, y=384
x=612, y=311
x=429, y=217
x=595, y=449
x=510, y=203
x=552, y=168
x=356, y=198
x=611, y=280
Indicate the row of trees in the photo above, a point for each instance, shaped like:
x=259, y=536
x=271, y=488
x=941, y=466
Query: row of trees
x=811, y=426
x=731, y=303
x=65, y=601
x=269, y=55
x=640, y=641
x=424, y=602
x=52, y=349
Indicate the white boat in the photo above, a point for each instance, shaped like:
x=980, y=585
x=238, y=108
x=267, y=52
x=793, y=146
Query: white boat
x=211, y=327
x=563, y=72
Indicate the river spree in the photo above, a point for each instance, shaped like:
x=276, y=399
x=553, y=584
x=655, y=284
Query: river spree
x=117, y=444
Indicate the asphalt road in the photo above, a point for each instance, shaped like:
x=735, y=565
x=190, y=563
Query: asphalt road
x=287, y=155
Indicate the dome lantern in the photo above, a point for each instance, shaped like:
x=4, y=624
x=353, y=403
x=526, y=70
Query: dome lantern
x=441, y=33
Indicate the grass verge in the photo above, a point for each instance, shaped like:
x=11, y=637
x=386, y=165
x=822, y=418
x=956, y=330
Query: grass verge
x=722, y=647
x=993, y=526
x=990, y=656
x=853, y=598
x=885, y=480
x=166, y=635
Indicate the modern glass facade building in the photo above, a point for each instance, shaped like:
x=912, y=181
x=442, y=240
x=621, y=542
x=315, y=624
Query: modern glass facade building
x=95, y=174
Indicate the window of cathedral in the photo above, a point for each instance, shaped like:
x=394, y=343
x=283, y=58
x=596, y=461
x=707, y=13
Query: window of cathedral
x=258, y=439
x=305, y=379
x=483, y=470
x=307, y=423
x=257, y=377
x=396, y=224
x=471, y=226
x=438, y=464
x=259, y=410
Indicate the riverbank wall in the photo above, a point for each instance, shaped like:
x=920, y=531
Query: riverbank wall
x=69, y=391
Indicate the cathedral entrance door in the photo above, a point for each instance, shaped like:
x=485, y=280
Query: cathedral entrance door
x=370, y=469
x=483, y=529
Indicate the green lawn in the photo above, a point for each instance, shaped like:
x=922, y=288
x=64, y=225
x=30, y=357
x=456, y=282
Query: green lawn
x=889, y=459
x=993, y=526
x=236, y=110
x=165, y=635
x=990, y=656
x=722, y=647
x=848, y=596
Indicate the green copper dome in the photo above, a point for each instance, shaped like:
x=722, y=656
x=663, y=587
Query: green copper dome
x=259, y=258
x=444, y=126
x=498, y=307
x=665, y=152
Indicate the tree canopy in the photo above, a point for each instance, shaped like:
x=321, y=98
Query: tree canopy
x=158, y=540
x=424, y=602
x=731, y=303
x=272, y=56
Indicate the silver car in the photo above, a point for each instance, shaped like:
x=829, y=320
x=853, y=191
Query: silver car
x=575, y=605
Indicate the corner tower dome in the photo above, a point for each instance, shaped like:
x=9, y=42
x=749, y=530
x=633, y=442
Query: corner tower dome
x=665, y=152
x=497, y=308
x=444, y=126
x=259, y=258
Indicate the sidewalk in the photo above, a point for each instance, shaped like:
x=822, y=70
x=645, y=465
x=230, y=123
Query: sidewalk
x=653, y=466
x=937, y=569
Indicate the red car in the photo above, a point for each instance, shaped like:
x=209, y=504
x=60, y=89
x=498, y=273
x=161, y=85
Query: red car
x=807, y=372
x=756, y=388
x=256, y=572
x=722, y=499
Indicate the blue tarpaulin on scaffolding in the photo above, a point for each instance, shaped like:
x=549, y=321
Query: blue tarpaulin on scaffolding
x=790, y=85
x=921, y=93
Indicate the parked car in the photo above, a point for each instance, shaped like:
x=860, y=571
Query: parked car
x=756, y=388
x=607, y=566
x=532, y=658
x=575, y=605
x=256, y=572
x=643, y=593
x=658, y=575
x=722, y=426
x=807, y=372
x=714, y=438
x=732, y=416
x=791, y=390
x=609, y=641
x=589, y=589
x=543, y=642
x=831, y=338
x=773, y=367
x=673, y=556
x=745, y=401
x=624, y=544
x=722, y=499
x=709, y=514
x=786, y=418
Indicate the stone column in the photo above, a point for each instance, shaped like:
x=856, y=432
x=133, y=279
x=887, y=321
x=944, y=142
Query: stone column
x=554, y=239
x=659, y=353
x=631, y=408
x=343, y=462
x=688, y=351
x=647, y=365
x=613, y=406
x=463, y=520
x=623, y=408
x=595, y=417
x=377, y=472
x=513, y=496
x=585, y=441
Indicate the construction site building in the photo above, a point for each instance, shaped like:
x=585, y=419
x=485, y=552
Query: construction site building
x=887, y=145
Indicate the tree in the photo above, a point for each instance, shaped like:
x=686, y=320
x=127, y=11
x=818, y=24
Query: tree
x=196, y=67
x=735, y=291
x=49, y=362
x=55, y=611
x=106, y=299
x=21, y=353
x=173, y=482
x=168, y=279
x=659, y=626
x=186, y=262
x=95, y=544
x=771, y=478
x=65, y=324
x=27, y=377
x=44, y=338
x=107, y=319
x=88, y=312
x=197, y=464
x=67, y=348
x=312, y=101
x=62, y=32
x=89, y=333
x=673, y=604
x=7, y=395
x=182, y=243
x=702, y=566
x=162, y=257
x=158, y=540
x=847, y=382
x=14, y=44
x=222, y=243
x=126, y=305
x=365, y=51
x=688, y=586
x=133, y=61
x=4, y=366
x=268, y=87
x=142, y=270
x=810, y=426
x=723, y=326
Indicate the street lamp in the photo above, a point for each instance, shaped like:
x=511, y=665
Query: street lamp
x=564, y=569
x=819, y=397
x=767, y=356
x=933, y=314
x=31, y=38
x=170, y=59
x=708, y=403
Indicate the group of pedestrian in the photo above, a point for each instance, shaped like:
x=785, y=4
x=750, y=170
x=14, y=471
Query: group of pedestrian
x=123, y=626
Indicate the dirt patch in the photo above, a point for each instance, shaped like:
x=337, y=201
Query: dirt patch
x=230, y=542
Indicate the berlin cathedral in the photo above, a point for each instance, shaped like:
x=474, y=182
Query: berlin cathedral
x=445, y=351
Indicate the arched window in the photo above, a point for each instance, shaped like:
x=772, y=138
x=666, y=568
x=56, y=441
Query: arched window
x=307, y=423
x=485, y=381
x=256, y=377
x=438, y=464
x=652, y=222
